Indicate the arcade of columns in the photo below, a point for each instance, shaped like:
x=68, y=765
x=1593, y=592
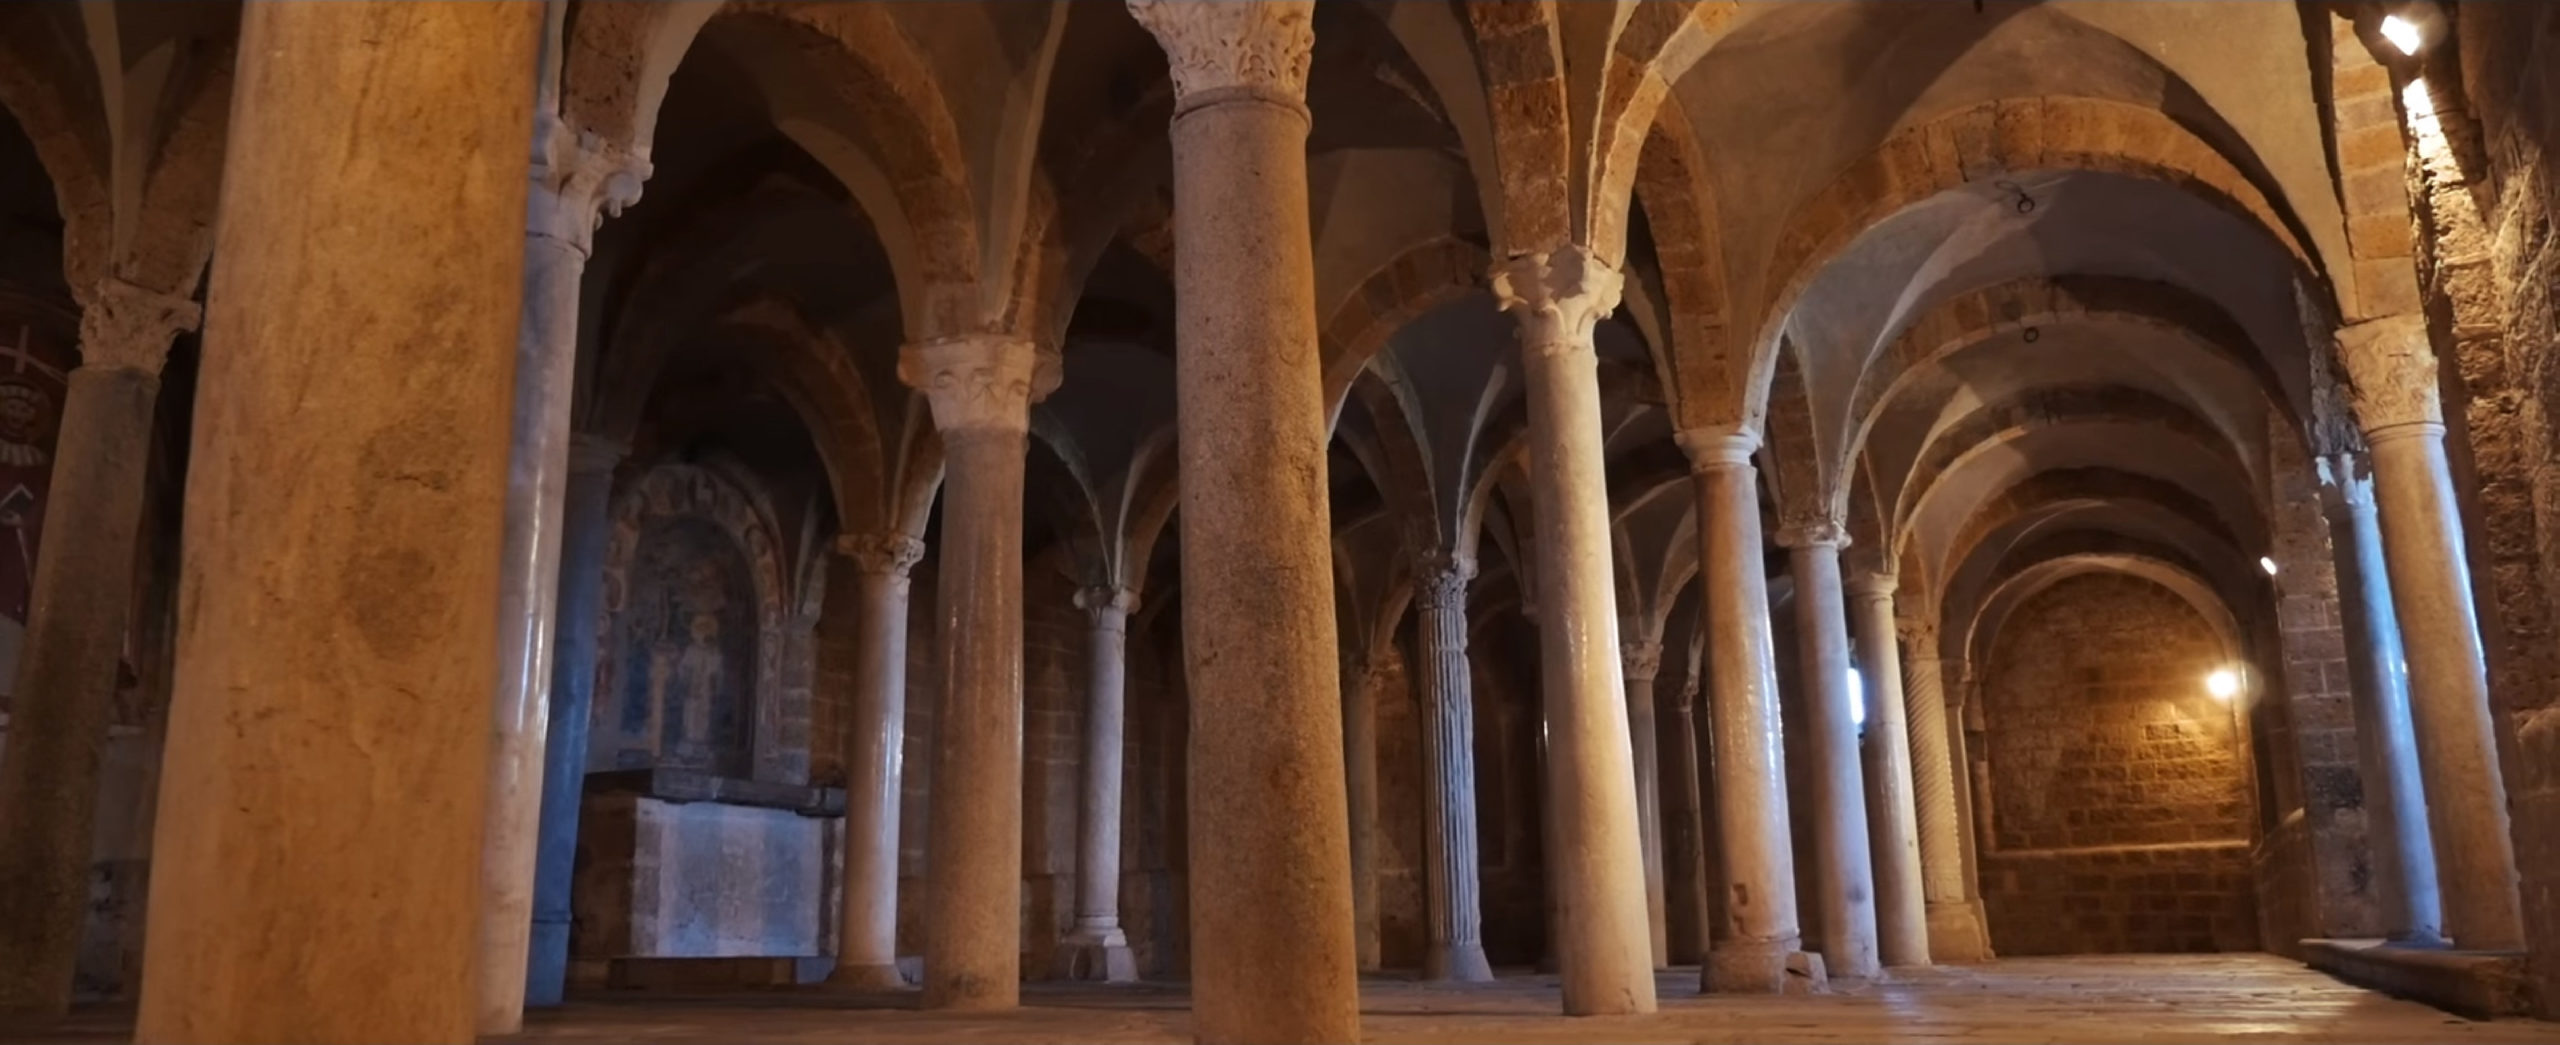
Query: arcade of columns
x=375, y=199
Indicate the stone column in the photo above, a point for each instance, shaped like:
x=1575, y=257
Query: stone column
x=77, y=611
x=1275, y=959
x=1760, y=949
x=327, y=767
x=572, y=184
x=1893, y=832
x=980, y=389
x=1846, y=887
x=1360, y=757
x=2393, y=372
x=1684, y=855
x=1606, y=954
x=875, y=745
x=2395, y=802
x=1096, y=949
x=1642, y=662
x=1955, y=933
x=586, y=523
x=1450, y=863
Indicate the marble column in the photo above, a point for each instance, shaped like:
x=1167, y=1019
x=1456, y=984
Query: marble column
x=1642, y=662
x=980, y=389
x=586, y=523
x=1274, y=957
x=1606, y=952
x=324, y=787
x=1360, y=767
x=1449, y=850
x=1684, y=854
x=1759, y=949
x=77, y=613
x=1956, y=934
x=572, y=184
x=2395, y=799
x=875, y=745
x=2393, y=372
x=1096, y=949
x=1845, y=883
x=1893, y=831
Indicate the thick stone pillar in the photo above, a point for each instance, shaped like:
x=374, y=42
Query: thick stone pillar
x=980, y=389
x=76, y=617
x=1846, y=885
x=1096, y=949
x=1360, y=769
x=572, y=183
x=1274, y=958
x=1893, y=832
x=586, y=523
x=1956, y=932
x=1450, y=864
x=1642, y=662
x=1760, y=948
x=324, y=788
x=2394, y=378
x=875, y=745
x=1606, y=953
x=1684, y=855
x=2395, y=799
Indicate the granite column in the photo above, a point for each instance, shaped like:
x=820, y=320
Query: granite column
x=1642, y=663
x=1845, y=886
x=875, y=746
x=1893, y=832
x=1096, y=948
x=586, y=523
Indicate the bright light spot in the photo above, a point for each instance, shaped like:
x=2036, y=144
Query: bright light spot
x=1857, y=698
x=2223, y=684
x=2402, y=33
x=2267, y=564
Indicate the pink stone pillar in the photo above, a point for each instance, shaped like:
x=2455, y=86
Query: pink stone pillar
x=1893, y=833
x=875, y=742
x=1845, y=884
x=1449, y=850
x=1096, y=949
x=1642, y=662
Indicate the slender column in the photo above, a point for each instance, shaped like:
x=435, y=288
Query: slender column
x=1096, y=948
x=585, y=524
x=1642, y=662
x=1449, y=755
x=875, y=744
x=1760, y=948
x=76, y=617
x=2394, y=376
x=1893, y=833
x=324, y=786
x=1275, y=959
x=1847, y=885
x=572, y=183
x=2395, y=799
x=1684, y=855
x=1955, y=935
x=1360, y=757
x=980, y=389
x=1607, y=957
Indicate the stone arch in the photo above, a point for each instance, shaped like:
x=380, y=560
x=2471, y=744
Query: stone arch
x=49, y=87
x=2060, y=488
x=615, y=61
x=1792, y=450
x=815, y=372
x=1424, y=277
x=1975, y=632
x=1680, y=211
x=2014, y=419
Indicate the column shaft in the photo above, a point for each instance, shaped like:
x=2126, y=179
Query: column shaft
x=1449, y=850
x=1684, y=855
x=1893, y=833
x=875, y=743
x=1642, y=662
x=2404, y=860
x=1937, y=773
x=1096, y=948
x=323, y=796
x=1846, y=883
x=1360, y=755
x=585, y=525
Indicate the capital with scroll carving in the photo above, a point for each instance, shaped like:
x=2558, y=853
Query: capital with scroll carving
x=981, y=382
x=2350, y=477
x=1872, y=584
x=1108, y=604
x=1559, y=297
x=127, y=327
x=2391, y=376
x=881, y=554
x=1641, y=659
x=578, y=179
x=1440, y=580
x=1919, y=637
x=1717, y=446
x=1812, y=533
x=1221, y=49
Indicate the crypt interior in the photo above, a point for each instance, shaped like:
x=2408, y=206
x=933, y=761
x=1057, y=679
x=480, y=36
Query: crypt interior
x=1288, y=521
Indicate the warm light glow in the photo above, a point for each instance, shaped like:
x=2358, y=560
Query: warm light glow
x=2267, y=564
x=2402, y=33
x=2223, y=684
x=1857, y=698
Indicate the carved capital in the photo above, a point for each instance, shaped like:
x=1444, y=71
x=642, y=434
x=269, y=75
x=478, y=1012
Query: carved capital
x=2391, y=374
x=1107, y=603
x=1220, y=48
x=1643, y=660
x=1440, y=580
x=126, y=327
x=1869, y=584
x=1919, y=637
x=578, y=179
x=1721, y=446
x=590, y=453
x=2350, y=477
x=1686, y=699
x=981, y=382
x=1812, y=533
x=1559, y=296
x=881, y=554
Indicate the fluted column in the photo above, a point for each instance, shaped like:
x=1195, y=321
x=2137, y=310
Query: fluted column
x=1893, y=833
x=1360, y=770
x=572, y=184
x=1449, y=756
x=1642, y=662
x=1760, y=950
x=2393, y=371
x=875, y=744
x=2395, y=799
x=1955, y=933
x=324, y=788
x=1607, y=956
x=586, y=523
x=1275, y=959
x=77, y=611
x=1684, y=855
x=1096, y=948
x=980, y=389
x=1846, y=885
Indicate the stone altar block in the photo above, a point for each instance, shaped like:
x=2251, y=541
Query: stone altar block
x=680, y=864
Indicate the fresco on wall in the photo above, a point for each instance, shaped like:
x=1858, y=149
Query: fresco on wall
x=32, y=365
x=689, y=647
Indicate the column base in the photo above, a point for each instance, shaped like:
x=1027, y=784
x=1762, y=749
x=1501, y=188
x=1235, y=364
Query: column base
x=1098, y=955
x=867, y=978
x=1763, y=968
x=546, y=973
x=1463, y=963
x=1957, y=932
